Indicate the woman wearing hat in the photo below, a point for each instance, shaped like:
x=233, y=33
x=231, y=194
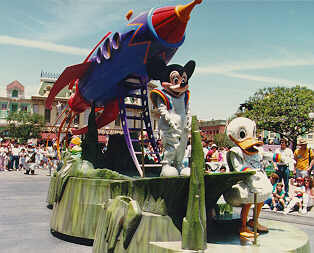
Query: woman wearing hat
x=302, y=157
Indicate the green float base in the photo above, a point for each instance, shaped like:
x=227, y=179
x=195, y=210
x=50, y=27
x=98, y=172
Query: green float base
x=77, y=212
x=152, y=228
x=282, y=237
x=51, y=190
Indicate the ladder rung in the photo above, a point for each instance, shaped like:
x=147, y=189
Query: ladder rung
x=153, y=165
x=134, y=106
x=135, y=96
x=137, y=140
x=137, y=129
x=134, y=117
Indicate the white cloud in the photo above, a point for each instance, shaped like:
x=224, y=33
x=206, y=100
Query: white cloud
x=269, y=80
x=231, y=69
x=266, y=64
x=48, y=46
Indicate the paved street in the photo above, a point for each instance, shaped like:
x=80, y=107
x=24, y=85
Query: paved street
x=24, y=217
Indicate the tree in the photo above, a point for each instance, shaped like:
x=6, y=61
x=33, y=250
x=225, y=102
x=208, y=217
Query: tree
x=24, y=125
x=222, y=140
x=281, y=110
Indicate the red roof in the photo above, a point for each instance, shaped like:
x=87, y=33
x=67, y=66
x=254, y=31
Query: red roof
x=15, y=84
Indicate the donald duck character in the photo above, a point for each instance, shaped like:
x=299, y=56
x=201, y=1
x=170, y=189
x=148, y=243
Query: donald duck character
x=172, y=102
x=247, y=156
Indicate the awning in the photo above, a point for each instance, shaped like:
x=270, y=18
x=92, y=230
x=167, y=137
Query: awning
x=49, y=136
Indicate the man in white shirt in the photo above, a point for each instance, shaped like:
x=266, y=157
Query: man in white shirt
x=282, y=168
x=16, y=157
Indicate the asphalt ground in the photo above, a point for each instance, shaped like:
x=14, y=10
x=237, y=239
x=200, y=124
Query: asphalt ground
x=24, y=216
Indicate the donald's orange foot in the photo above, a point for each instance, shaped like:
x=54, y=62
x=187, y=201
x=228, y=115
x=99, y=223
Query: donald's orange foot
x=246, y=232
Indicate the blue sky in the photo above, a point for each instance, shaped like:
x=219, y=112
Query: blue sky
x=239, y=46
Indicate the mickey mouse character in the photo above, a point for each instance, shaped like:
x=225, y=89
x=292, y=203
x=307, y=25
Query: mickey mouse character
x=172, y=102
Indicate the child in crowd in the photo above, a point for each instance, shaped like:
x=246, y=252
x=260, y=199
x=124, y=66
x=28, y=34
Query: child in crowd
x=297, y=199
x=278, y=199
x=273, y=180
x=23, y=155
x=308, y=196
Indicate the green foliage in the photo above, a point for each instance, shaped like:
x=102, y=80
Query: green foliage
x=24, y=125
x=282, y=110
x=222, y=140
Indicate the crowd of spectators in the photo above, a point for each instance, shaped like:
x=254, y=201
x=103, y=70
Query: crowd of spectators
x=293, y=181
x=26, y=157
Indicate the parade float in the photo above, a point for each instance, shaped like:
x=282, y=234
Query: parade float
x=110, y=200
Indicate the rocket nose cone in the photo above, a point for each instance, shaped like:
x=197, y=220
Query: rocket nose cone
x=183, y=11
x=170, y=22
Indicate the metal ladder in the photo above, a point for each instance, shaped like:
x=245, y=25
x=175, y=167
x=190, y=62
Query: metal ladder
x=144, y=117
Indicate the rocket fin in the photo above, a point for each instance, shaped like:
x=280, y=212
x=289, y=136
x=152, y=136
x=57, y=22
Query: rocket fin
x=109, y=114
x=71, y=73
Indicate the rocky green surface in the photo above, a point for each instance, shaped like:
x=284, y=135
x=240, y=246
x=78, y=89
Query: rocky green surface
x=194, y=234
x=123, y=227
x=80, y=190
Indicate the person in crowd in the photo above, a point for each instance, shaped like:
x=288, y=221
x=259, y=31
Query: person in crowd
x=297, y=199
x=205, y=149
x=31, y=161
x=220, y=154
x=308, y=196
x=278, y=199
x=23, y=155
x=2, y=157
x=160, y=148
x=222, y=169
x=9, y=158
x=15, y=157
x=302, y=156
x=212, y=154
x=273, y=180
x=283, y=168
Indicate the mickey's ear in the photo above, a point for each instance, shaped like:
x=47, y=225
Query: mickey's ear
x=189, y=68
x=155, y=67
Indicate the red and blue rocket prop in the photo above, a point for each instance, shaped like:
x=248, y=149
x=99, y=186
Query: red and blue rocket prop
x=116, y=68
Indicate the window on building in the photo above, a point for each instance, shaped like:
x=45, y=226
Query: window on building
x=310, y=137
x=14, y=107
x=24, y=108
x=35, y=108
x=15, y=93
x=4, y=106
x=47, y=115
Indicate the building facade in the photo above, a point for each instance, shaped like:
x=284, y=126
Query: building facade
x=212, y=127
x=16, y=101
x=13, y=101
